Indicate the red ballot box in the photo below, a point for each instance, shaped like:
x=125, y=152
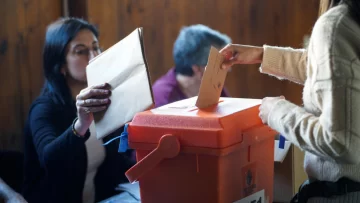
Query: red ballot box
x=222, y=154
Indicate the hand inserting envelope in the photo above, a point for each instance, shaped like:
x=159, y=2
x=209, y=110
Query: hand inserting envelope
x=124, y=67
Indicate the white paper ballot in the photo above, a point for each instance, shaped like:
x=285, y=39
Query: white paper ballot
x=124, y=67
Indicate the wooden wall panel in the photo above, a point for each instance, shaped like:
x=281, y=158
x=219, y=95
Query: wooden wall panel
x=22, y=32
x=76, y=8
x=255, y=22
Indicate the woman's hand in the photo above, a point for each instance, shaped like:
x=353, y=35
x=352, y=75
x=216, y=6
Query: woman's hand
x=241, y=54
x=90, y=100
x=266, y=106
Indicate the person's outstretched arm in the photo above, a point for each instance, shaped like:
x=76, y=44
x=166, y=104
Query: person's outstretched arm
x=281, y=62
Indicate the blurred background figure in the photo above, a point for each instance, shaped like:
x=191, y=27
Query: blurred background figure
x=190, y=53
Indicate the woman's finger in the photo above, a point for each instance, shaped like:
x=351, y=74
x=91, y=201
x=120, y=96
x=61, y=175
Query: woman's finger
x=92, y=109
x=100, y=86
x=227, y=65
x=93, y=102
x=227, y=49
x=92, y=93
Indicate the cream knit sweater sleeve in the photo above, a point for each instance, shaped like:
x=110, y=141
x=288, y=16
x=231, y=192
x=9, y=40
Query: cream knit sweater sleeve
x=285, y=63
x=329, y=125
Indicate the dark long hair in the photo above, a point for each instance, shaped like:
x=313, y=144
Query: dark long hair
x=354, y=6
x=58, y=36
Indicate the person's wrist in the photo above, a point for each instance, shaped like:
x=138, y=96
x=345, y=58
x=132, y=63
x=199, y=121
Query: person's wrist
x=260, y=53
x=79, y=128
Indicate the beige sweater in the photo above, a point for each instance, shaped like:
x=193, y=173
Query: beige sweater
x=328, y=126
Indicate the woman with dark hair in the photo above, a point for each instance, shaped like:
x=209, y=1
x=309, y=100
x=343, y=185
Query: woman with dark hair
x=326, y=128
x=64, y=162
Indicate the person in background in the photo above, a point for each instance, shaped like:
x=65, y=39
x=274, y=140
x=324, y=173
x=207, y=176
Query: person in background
x=63, y=160
x=190, y=52
x=326, y=128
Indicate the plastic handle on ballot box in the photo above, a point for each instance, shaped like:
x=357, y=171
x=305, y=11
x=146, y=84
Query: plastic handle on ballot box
x=168, y=147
